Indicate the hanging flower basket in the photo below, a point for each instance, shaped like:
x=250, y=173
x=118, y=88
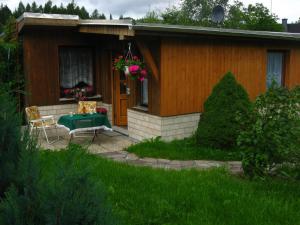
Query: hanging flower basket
x=132, y=66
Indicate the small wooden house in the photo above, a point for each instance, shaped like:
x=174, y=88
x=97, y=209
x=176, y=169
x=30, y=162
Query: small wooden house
x=62, y=51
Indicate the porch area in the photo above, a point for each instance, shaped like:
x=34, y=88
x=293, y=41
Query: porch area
x=106, y=141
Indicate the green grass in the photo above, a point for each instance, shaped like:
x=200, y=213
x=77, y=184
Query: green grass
x=185, y=149
x=153, y=196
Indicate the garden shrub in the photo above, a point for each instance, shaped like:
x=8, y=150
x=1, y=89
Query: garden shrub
x=271, y=136
x=70, y=196
x=218, y=127
x=10, y=145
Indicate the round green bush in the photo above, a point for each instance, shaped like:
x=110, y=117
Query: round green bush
x=218, y=127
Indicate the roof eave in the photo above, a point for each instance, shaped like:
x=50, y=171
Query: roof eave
x=215, y=31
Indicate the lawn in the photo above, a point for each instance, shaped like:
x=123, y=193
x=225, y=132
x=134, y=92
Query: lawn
x=185, y=149
x=154, y=196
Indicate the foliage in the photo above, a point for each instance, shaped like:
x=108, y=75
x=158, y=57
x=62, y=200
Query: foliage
x=199, y=13
x=186, y=149
x=10, y=147
x=156, y=196
x=271, y=132
x=65, y=196
x=151, y=17
x=10, y=53
x=253, y=17
x=96, y=15
x=71, y=8
x=5, y=14
x=70, y=196
x=218, y=127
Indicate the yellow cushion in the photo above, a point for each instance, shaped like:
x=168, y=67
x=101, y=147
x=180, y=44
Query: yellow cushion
x=32, y=113
x=46, y=123
x=87, y=107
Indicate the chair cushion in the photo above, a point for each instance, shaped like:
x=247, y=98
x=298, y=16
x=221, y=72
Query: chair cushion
x=32, y=113
x=46, y=123
x=87, y=107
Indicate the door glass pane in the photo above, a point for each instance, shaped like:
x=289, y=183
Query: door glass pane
x=275, y=68
x=123, y=88
x=144, y=92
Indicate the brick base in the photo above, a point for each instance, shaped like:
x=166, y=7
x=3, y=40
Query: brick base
x=144, y=126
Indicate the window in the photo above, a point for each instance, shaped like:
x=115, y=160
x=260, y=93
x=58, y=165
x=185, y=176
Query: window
x=144, y=92
x=275, y=68
x=75, y=70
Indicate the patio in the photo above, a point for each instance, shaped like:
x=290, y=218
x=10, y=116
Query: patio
x=106, y=141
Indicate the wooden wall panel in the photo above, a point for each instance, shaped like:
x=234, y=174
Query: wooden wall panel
x=293, y=78
x=190, y=68
x=41, y=63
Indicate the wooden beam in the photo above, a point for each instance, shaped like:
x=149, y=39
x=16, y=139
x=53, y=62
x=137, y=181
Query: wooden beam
x=145, y=51
x=112, y=30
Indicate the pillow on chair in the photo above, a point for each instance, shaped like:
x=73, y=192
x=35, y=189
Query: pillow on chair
x=87, y=107
x=33, y=113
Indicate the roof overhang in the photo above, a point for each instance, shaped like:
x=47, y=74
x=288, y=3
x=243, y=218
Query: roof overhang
x=121, y=28
x=40, y=19
x=124, y=28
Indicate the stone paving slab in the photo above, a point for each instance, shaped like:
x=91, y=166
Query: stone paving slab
x=111, y=145
x=234, y=167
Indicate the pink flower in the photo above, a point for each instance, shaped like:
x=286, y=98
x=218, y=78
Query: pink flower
x=67, y=91
x=144, y=72
x=135, y=58
x=89, y=89
x=141, y=79
x=134, y=69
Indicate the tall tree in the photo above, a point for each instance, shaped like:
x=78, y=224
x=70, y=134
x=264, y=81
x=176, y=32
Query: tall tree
x=20, y=10
x=48, y=7
x=199, y=12
x=34, y=7
x=151, y=17
x=96, y=15
x=5, y=14
x=253, y=17
x=28, y=8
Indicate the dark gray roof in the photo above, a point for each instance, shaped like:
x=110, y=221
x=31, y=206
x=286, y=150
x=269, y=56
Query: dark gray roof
x=160, y=28
x=293, y=28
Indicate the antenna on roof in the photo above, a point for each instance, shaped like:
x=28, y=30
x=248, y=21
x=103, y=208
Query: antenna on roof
x=218, y=14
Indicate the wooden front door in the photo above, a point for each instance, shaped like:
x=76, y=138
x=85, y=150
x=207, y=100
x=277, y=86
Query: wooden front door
x=120, y=99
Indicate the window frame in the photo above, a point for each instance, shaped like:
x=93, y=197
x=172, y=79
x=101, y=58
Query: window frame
x=94, y=70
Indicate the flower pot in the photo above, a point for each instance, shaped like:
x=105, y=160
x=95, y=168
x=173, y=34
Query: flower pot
x=126, y=70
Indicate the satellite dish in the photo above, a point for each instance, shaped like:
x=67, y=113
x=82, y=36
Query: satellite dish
x=218, y=14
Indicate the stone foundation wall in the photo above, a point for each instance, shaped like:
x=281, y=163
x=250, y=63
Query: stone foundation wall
x=144, y=126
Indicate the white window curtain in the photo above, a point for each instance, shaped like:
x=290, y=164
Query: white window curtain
x=275, y=68
x=144, y=92
x=75, y=67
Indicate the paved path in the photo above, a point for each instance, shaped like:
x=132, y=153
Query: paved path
x=235, y=167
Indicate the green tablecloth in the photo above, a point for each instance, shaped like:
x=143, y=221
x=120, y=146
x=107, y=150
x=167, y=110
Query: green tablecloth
x=80, y=121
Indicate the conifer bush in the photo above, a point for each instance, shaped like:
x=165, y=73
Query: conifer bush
x=10, y=135
x=218, y=127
